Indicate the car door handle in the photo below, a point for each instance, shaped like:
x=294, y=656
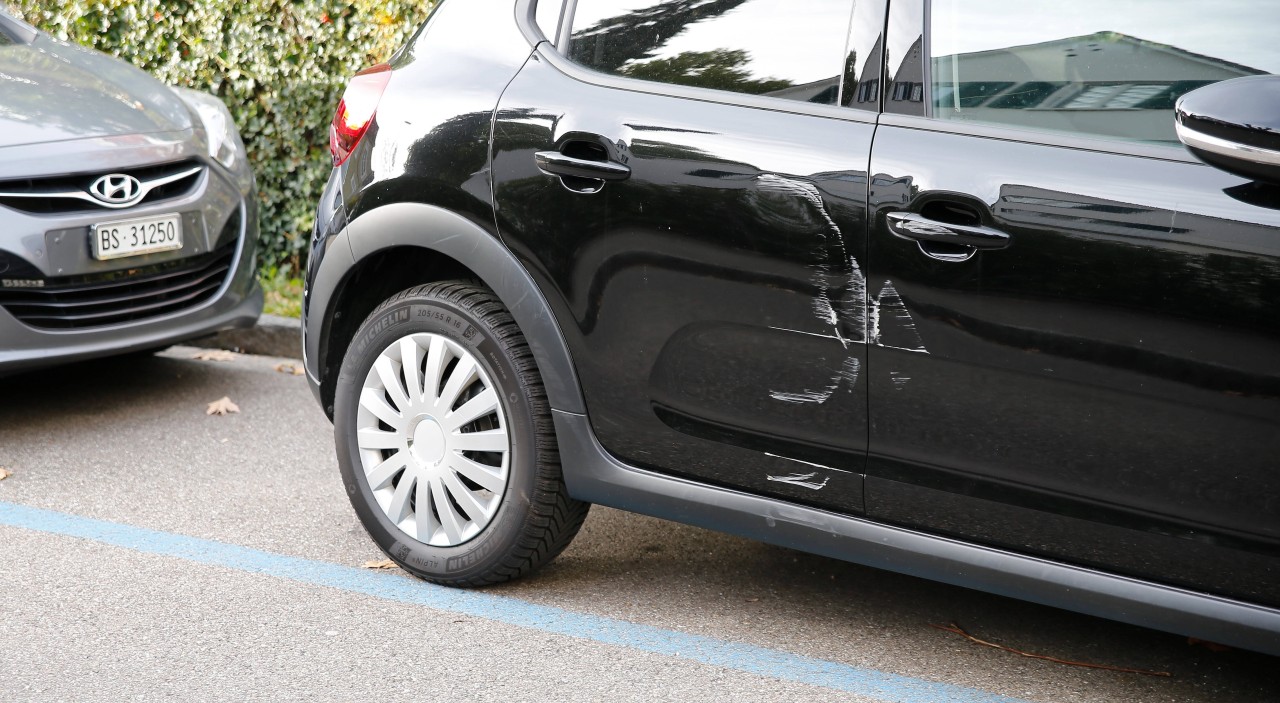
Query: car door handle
x=557, y=164
x=910, y=225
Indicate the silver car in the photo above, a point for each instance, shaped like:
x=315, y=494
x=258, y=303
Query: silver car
x=128, y=211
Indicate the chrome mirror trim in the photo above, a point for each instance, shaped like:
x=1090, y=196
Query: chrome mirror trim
x=1223, y=147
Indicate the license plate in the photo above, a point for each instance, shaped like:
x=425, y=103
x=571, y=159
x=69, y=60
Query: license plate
x=145, y=235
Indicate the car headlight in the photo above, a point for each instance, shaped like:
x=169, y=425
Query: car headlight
x=224, y=140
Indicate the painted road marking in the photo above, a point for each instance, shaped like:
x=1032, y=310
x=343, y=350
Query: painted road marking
x=737, y=656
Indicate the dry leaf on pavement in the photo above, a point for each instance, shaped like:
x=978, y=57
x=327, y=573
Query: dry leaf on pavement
x=215, y=355
x=222, y=406
x=5, y=473
x=383, y=564
x=291, y=369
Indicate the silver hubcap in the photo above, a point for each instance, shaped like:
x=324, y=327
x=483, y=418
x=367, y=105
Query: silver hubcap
x=433, y=439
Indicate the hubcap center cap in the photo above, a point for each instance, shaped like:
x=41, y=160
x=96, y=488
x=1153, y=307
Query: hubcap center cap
x=427, y=443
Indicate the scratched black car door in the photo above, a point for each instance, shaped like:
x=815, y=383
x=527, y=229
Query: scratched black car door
x=1078, y=338
x=703, y=228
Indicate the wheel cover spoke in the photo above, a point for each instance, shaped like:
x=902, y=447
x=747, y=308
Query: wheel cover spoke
x=390, y=377
x=380, y=475
x=472, y=410
x=460, y=378
x=372, y=401
x=399, y=508
x=465, y=498
x=450, y=520
x=433, y=440
x=370, y=438
x=410, y=361
x=484, y=476
x=436, y=360
x=486, y=441
x=426, y=524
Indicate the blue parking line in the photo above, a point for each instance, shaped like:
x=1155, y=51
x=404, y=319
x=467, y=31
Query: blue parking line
x=737, y=656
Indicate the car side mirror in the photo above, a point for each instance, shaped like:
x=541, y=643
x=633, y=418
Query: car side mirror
x=1234, y=125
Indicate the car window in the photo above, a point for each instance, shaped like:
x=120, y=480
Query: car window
x=781, y=48
x=1095, y=67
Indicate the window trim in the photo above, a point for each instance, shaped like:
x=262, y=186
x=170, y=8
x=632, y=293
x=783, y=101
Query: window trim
x=723, y=97
x=1067, y=140
x=872, y=13
x=567, y=13
x=554, y=55
x=892, y=29
x=526, y=12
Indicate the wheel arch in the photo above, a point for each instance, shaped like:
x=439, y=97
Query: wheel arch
x=400, y=245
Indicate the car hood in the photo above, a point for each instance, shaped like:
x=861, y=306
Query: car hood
x=50, y=92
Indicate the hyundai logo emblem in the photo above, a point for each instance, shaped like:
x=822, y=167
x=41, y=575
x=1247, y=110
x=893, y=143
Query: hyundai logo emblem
x=117, y=189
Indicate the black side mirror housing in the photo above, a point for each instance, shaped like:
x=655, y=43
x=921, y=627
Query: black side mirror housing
x=1234, y=125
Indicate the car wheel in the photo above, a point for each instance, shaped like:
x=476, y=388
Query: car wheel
x=445, y=439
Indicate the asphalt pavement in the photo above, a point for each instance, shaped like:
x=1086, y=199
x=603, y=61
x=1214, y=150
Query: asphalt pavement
x=150, y=551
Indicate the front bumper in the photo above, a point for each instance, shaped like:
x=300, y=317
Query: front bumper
x=219, y=214
x=238, y=303
x=25, y=349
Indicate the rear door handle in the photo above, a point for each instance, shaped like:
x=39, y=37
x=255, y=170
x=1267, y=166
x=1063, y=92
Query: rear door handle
x=910, y=225
x=557, y=164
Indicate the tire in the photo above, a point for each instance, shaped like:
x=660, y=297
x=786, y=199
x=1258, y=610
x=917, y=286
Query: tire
x=497, y=507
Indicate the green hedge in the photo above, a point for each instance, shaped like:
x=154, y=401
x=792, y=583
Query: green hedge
x=279, y=65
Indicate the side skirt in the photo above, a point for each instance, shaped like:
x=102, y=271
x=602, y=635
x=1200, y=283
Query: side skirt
x=591, y=474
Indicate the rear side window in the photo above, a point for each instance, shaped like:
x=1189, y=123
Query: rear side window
x=792, y=49
x=1096, y=67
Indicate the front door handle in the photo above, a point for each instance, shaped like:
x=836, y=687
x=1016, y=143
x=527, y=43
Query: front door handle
x=557, y=164
x=909, y=225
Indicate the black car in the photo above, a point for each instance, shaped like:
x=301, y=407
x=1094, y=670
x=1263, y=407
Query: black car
x=945, y=288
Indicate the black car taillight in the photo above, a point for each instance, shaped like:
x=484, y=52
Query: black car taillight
x=356, y=111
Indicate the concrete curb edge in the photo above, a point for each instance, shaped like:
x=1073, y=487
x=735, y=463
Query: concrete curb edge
x=272, y=336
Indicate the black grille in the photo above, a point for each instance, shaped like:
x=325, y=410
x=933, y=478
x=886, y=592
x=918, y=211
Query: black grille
x=80, y=184
x=77, y=302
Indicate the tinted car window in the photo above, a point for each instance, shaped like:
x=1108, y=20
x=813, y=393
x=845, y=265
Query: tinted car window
x=1096, y=67
x=779, y=48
